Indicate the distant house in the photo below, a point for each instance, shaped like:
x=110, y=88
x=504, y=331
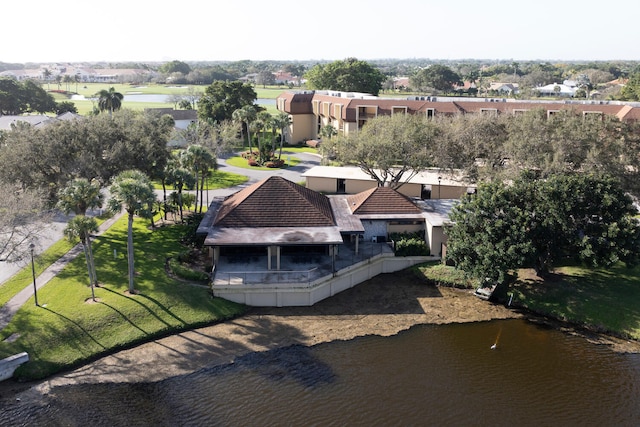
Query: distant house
x=82, y=73
x=504, y=88
x=182, y=118
x=39, y=120
x=557, y=89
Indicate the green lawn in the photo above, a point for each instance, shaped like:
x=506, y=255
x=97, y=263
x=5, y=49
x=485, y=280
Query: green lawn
x=217, y=179
x=606, y=299
x=90, y=89
x=68, y=330
x=24, y=277
x=241, y=162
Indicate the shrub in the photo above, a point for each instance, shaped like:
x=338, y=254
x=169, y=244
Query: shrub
x=444, y=275
x=274, y=163
x=409, y=244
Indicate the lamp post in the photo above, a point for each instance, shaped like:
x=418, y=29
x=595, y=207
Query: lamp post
x=439, y=179
x=33, y=272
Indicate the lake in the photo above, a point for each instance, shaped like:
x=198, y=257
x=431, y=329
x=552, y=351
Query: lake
x=428, y=375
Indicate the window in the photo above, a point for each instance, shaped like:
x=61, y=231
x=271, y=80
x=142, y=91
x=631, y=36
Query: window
x=326, y=108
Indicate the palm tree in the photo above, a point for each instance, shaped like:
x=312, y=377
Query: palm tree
x=180, y=178
x=81, y=226
x=80, y=195
x=281, y=121
x=263, y=122
x=131, y=190
x=245, y=116
x=47, y=76
x=200, y=160
x=109, y=100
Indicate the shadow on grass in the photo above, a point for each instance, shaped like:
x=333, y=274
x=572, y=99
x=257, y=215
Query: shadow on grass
x=77, y=325
x=151, y=311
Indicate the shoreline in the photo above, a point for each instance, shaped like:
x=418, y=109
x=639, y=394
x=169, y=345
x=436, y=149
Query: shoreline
x=383, y=306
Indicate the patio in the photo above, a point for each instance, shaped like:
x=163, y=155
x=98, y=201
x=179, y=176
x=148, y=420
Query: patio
x=295, y=269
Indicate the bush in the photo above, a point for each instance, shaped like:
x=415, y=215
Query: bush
x=274, y=163
x=443, y=275
x=409, y=244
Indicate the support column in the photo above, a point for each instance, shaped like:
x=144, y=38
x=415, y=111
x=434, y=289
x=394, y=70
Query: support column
x=269, y=257
x=357, y=243
x=215, y=254
x=278, y=251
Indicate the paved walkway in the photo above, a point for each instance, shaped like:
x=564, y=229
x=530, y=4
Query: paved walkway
x=8, y=310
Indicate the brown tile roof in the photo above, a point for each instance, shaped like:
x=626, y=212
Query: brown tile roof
x=381, y=201
x=275, y=202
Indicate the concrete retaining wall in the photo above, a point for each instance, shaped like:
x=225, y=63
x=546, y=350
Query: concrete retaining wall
x=291, y=295
x=9, y=364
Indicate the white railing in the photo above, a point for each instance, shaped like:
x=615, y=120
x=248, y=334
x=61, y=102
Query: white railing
x=274, y=277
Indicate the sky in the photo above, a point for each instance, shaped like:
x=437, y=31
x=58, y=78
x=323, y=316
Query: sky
x=231, y=30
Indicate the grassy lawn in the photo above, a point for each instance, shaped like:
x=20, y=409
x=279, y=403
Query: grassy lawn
x=241, y=162
x=69, y=331
x=24, y=277
x=90, y=89
x=604, y=300
x=217, y=180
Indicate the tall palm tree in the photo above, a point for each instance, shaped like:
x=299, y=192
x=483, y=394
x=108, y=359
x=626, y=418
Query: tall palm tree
x=245, y=116
x=109, y=100
x=81, y=226
x=47, y=76
x=263, y=122
x=199, y=159
x=180, y=178
x=131, y=190
x=281, y=121
x=79, y=195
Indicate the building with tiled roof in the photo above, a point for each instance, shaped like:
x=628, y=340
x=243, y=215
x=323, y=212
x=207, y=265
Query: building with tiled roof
x=278, y=243
x=347, y=112
x=277, y=217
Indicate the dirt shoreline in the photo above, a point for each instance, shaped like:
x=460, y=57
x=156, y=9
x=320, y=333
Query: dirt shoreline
x=383, y=306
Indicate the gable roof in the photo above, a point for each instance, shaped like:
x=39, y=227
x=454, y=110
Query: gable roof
x=275, y=202
x=381, y=201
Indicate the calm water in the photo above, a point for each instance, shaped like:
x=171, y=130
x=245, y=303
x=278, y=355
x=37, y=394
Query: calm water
x=429, y=375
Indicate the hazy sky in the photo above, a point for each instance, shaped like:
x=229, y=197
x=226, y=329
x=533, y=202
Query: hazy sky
x=145, y=30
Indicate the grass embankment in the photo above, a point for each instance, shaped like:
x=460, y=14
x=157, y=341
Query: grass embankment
x=602, y=300
x=71, y=330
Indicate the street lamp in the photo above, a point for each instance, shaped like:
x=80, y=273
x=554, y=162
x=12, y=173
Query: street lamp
x=439, y=178
x=33, y=272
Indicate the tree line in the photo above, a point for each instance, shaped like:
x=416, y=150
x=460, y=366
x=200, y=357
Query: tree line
x=490, y=146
